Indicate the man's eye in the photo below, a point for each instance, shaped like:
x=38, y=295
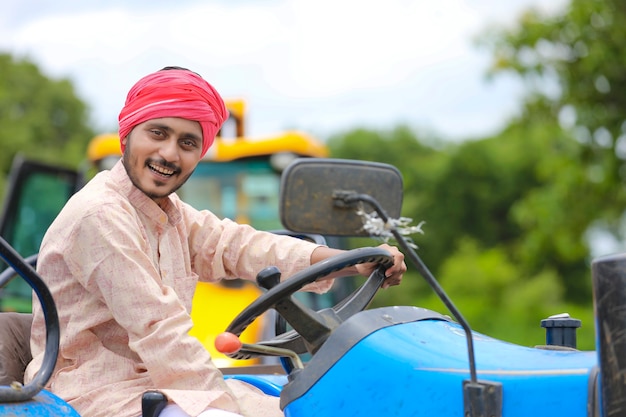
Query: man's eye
x=189, y=143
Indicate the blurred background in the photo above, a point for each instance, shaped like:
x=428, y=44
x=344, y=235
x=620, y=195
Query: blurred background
x=505, y=119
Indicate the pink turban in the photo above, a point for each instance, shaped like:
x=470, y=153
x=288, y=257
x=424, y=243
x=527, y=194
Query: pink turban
x=174, y=93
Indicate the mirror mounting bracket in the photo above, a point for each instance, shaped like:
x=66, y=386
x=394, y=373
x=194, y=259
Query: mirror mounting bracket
x=345, y=198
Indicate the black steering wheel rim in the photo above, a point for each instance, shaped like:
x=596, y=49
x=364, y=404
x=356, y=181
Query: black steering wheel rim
x=283, y=292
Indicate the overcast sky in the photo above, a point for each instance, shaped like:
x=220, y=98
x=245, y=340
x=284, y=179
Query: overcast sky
x=323, y=66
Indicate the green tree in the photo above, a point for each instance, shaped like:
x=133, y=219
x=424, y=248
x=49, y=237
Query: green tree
x=513, y=191
x=41, y=118
x=479, y=202
x=573, y=65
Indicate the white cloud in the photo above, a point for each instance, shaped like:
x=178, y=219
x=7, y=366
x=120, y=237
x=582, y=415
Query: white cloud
x=321, y=65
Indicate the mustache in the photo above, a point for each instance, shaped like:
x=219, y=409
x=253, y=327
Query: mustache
x=163, y=163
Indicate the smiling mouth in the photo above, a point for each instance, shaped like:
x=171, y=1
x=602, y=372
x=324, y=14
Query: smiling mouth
x=162, y=171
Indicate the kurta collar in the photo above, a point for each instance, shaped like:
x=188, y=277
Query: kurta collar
x=171, y=214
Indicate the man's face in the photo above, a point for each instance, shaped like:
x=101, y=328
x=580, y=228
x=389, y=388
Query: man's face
x=161, y=154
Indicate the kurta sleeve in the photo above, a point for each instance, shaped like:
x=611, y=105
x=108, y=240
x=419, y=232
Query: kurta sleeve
x=225, y=249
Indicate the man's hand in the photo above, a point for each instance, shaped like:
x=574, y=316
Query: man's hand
x=394, y=273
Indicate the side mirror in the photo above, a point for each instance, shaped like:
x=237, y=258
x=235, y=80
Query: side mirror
x=308, y=187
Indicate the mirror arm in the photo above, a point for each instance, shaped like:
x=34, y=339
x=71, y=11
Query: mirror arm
x=346, y=199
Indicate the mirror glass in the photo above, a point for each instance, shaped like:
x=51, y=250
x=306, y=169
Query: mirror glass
x=308, y=185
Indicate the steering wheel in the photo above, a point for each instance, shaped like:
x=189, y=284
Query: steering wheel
x=311, y=328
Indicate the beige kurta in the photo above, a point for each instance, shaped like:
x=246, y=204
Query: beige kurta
x=123, y=273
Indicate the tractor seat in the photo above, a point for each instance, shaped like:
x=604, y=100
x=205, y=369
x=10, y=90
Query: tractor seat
x=15, y=355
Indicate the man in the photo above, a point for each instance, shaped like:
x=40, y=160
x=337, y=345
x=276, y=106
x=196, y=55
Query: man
x=123, y=258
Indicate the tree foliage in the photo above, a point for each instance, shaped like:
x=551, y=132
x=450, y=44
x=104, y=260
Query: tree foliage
x=574, y=64
x=41, y=118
